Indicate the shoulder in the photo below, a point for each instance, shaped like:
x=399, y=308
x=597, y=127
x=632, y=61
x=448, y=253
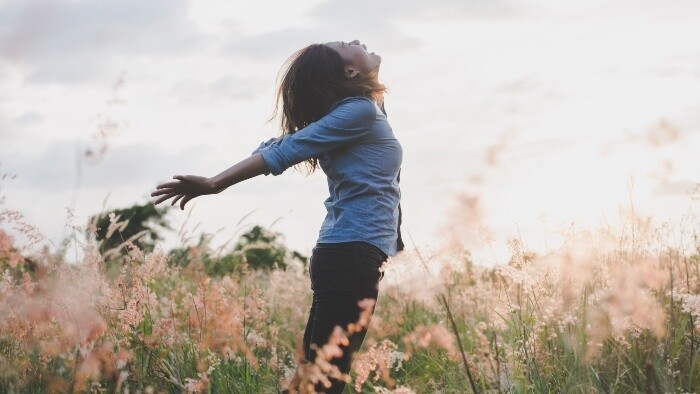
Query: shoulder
x=357, y=106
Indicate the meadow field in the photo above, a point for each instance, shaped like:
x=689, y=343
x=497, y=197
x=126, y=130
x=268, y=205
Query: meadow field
x=550, y=192
x=610, y=311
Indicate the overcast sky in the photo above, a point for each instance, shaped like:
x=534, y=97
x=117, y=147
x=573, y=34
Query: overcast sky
x=545, y=110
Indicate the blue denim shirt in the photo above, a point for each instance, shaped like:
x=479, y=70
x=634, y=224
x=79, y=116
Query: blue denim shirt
x=361, y=158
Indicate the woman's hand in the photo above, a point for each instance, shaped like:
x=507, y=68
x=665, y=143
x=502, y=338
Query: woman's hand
x=184, y=188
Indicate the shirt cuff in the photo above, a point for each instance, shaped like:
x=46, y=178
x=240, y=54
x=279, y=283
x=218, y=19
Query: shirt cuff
x=273, y=159
x=264, y=144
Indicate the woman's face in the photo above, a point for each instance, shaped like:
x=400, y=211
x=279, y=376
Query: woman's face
x=356, y=57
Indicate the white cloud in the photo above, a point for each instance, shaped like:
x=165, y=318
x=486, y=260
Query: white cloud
x=277, y=44
x=460, y=73
x=29, y=118
x=58, y=167
x=228, y=87
x=368, y=11
x=71, y=41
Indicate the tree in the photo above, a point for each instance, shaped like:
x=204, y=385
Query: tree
x=138, y=224
x=260, y=247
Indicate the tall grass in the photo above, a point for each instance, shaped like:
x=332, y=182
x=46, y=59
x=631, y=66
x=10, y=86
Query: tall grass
x=613, y=312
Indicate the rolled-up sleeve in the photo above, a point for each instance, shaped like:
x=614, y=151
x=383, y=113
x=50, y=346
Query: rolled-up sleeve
x=348, y=121
x=264, y=144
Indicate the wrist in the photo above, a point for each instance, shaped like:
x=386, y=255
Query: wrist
x=214, y=185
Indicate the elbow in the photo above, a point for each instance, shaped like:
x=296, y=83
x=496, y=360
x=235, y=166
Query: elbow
x=274, y=161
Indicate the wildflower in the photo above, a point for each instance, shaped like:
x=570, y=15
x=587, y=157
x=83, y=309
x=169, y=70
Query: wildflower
x=435, y=334
x=379, y=359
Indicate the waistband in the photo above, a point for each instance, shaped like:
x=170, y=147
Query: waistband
x=351, y=244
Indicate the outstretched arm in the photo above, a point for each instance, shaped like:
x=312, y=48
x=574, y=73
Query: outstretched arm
x=186, y=187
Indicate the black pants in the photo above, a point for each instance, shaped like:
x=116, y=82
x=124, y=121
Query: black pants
x=341, y=275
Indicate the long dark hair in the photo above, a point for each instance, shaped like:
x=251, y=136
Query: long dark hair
x=312, y=81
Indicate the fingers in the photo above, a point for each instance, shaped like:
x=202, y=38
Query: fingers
x=176, y=199
x=170, y=184
x=171, y=187
x=165, y=197
x=189, y=178
x=164, y=191
x=184, y=201
x=180, y=182
x=183, y=189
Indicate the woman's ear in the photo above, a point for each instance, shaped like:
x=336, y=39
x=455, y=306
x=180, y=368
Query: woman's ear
x=351, y=72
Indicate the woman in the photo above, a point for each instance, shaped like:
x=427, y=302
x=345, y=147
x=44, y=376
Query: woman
x=332, y=117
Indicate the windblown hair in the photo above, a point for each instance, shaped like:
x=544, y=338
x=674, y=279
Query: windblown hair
x=312, y=82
